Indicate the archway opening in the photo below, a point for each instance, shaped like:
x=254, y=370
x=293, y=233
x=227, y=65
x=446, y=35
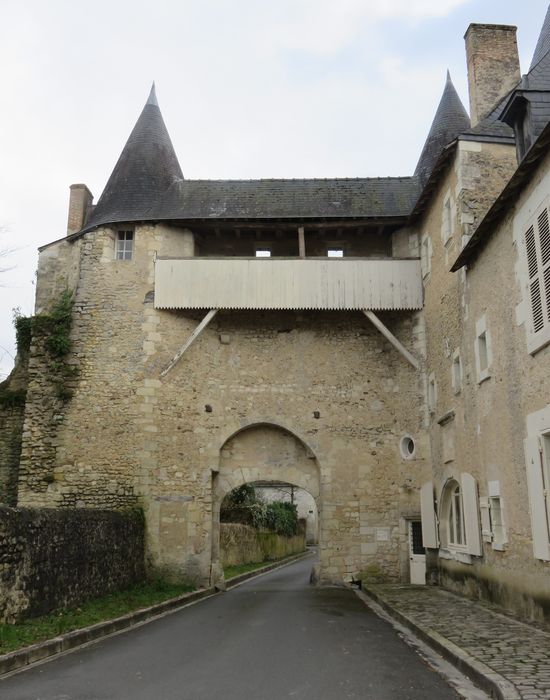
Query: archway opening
x=279, y=466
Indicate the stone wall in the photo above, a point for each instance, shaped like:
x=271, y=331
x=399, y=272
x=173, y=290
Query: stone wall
x=328, y=378
x=242, y=544
x=12, y=413
x=52, y=558
x=479, y=425
x=11, y=430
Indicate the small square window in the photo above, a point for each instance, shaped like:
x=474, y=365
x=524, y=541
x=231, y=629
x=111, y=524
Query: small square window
x=125, y=245
x=335, y=253
x=457, y=373
x=483, y=350
x=432, y=393
x=426, y=256
x=497, y=522
x=447, y=226
x=263, y=253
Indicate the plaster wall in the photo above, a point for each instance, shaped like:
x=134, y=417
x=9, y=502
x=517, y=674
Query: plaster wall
x=479, y=425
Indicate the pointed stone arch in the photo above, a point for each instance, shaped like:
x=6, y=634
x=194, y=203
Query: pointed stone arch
x=261, y=451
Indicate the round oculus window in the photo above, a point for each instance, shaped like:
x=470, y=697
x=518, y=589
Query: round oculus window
x=407, y=447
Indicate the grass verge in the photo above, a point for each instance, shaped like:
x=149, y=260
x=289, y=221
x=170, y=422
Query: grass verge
x=142, y=595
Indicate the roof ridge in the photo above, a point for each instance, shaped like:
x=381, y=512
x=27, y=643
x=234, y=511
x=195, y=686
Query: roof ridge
x=302, y=179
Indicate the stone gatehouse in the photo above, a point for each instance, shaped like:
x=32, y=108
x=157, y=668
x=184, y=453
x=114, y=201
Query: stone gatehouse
x=381, y=343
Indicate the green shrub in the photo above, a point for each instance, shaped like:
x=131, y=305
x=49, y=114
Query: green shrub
x=242, y=505
x=56, y=326
x=23, y=331
x=282, y=518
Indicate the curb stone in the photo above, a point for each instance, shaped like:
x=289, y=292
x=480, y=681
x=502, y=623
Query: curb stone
x=20, y=658
x=487, y=679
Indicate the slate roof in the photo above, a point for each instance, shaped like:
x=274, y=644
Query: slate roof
x=147, y=185
x=490, y=127
x=533, y=88
x=288, y=199
x=146, y=168
x=450, y=120
x=543, y=43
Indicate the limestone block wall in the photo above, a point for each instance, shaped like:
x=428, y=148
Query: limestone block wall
x=242, y=544
x=127, y=435
x=52, y=558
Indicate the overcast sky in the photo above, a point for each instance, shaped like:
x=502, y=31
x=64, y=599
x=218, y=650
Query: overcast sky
x=247, y=88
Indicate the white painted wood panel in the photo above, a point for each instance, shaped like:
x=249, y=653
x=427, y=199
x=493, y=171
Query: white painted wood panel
x=271, y=283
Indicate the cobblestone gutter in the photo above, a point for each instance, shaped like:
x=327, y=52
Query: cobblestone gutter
x=508, y=658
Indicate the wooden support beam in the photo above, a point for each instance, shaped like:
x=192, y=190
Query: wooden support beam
x=301, y=242
x=194, y=335
x=373, y=318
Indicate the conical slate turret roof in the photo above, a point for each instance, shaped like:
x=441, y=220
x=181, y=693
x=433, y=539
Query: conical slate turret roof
x=543, y=44
x=450, y=120
x=146, y=168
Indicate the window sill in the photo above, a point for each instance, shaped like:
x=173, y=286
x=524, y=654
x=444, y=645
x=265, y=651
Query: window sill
x=455, y=555
x=539, y=341
x=446, y=418
x=484, y=376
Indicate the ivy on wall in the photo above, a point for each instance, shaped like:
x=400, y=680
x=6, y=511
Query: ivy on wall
x=54, y=329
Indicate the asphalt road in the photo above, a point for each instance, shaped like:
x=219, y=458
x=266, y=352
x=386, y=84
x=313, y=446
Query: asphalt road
x=274, y=637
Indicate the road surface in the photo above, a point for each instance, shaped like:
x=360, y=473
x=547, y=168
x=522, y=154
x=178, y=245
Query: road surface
x=271, y=638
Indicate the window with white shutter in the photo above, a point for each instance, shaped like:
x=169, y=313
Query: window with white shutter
x=460, y=525
x=429, y=520
x=537, y=462
x=537, y=253
x=472, y=525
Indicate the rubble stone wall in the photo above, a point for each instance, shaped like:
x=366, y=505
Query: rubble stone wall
x=52, y=558
x=127, y=435
x=242, y=544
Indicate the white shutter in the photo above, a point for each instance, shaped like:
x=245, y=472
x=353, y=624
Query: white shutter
x=537, y=505
x=537, y=248
x=427, y=512
x=484, y=508
x=471, y=514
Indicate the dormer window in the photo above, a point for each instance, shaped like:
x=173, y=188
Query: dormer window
x=125, y=245
x=335, y=252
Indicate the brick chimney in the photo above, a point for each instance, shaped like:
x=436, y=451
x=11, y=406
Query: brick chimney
x=80, y=204
x=493, y=66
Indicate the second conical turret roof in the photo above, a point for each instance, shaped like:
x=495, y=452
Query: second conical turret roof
x=146, y=168
x=450, y=120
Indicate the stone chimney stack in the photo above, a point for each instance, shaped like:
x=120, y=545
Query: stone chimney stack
x=80, y=205
x=493, y=66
